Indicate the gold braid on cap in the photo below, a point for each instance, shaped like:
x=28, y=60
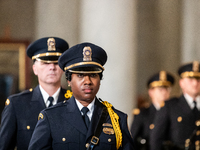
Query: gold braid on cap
x=114, y=119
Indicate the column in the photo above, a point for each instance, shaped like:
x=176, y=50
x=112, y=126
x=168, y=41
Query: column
x=112, y=25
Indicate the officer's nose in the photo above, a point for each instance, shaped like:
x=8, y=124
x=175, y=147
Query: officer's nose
x=52, y=66
x=87, y=79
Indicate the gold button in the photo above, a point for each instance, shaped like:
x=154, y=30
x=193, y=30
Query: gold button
x=198, y=123
x=30, y=89
x=109, y=140
x=87, y=145
x=197, y=142
x=63, y=139
x=151, y=126
x=28, y=127
x=198, y=132
x=179, y=119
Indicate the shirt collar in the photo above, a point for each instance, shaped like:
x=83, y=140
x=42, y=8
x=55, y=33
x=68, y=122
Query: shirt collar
x=90, y=107
x=190, y=100
x=45, y=96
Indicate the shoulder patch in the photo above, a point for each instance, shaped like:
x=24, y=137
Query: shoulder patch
x=136, y=111
x=40, y=116
x=7, y=102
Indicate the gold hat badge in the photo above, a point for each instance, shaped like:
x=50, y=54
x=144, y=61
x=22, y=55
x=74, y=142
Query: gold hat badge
x=87, y=54
x=195, y=66
x=162, y=76
x=51, y=43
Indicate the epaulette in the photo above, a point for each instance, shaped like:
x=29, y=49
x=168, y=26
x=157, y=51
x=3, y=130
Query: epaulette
x=7, y=102
x=136, y=111
x=27, y=91
x=24, y=92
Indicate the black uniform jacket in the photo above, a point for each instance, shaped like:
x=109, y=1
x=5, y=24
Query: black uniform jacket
x=174, y=122
x=20, y=117
x=61, y=127
x=142, y=126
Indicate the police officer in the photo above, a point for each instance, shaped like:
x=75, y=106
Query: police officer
x=74, y=123
x=175, y=122
x=159, y=88
x=20, y=114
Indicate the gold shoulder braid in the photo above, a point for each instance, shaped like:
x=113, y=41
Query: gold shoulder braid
x=114, y=119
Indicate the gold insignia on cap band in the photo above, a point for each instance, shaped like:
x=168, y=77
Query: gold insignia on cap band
x=46, y=54
x=87, y=53
x=195, y=66
x=160, y=83
x=190, y=74
x=51, y=43
x=162, y=76
x=83, y=63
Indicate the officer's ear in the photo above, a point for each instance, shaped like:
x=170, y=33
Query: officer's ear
x=35, y=69
x=150, y=92
x=69, y=83
x=181, y=83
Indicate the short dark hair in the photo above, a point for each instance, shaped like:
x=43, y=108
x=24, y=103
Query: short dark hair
x=69, y=75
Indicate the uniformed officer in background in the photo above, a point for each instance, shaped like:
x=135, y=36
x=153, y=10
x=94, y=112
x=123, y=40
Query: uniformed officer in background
x=175, y=122
x=20, y=114
x=81, y=122
x=159, y=89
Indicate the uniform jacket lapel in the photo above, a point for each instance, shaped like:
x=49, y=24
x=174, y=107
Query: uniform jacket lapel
x=36, y=104
x=73, y=116
x=98, y=108
x=37, y=97
x=184, y=105
x=61, y=96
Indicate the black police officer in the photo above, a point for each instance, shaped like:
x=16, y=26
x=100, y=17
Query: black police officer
x=159, y=88
x=20, y=114
x=65, y=125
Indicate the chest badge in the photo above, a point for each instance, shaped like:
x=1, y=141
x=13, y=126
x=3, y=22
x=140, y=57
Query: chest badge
x=107, y=128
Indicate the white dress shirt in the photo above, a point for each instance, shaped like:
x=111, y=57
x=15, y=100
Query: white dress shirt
x=45, y=96
x=90, y=107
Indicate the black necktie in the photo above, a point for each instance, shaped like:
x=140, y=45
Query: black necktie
x=50, y=99
x=85, y=116
x=195, y=110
